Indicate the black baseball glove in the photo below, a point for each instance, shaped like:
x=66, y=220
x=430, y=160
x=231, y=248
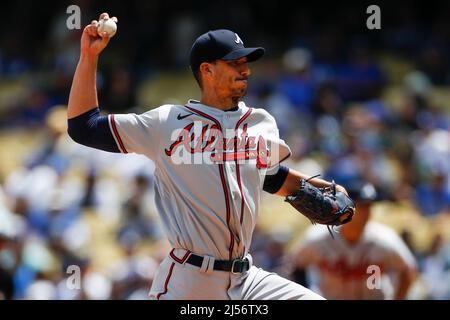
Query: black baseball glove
x=322, y=205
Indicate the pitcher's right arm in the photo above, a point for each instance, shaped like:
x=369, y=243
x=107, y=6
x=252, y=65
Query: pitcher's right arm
x=83, y=93
x=85, y=124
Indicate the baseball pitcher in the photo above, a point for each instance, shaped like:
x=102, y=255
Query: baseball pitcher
x=213, y=159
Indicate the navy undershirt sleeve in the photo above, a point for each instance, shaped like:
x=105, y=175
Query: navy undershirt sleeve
x=92, y=130
x=274, y=182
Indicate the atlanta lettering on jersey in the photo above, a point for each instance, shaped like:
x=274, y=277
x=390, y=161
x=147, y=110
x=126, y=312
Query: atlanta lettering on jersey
x=212, y=147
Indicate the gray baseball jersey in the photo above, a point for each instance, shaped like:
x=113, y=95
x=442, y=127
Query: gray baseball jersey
x=210, y=167
x=345, y=271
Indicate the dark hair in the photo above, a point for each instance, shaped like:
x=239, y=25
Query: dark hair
x=196, y=74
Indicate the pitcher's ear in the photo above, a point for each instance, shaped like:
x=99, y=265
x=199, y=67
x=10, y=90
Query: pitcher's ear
x=206, y=68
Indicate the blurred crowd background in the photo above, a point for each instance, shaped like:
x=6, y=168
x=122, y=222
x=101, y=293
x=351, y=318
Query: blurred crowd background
x=354, y=104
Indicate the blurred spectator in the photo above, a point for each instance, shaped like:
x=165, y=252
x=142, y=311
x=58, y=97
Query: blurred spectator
x=33, y=109
x=139, y=215
x=360, y=78
x=298, y=85
x=268, y=249
x=49, y=153
x=117, y=94
x=433, y=62
x=435, y=268
x=132, y=276
x=433, y=195
x=11, y=227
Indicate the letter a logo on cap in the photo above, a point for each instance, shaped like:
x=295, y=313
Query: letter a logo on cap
x=238, y=39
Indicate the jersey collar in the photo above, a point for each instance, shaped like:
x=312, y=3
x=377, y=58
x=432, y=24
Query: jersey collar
x=239, y=110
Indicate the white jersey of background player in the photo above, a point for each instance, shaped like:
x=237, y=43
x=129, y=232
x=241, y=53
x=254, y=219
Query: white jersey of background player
x=213, y=158
x=366, y=260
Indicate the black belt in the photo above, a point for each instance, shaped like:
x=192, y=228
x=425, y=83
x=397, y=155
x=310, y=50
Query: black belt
x=233, y=266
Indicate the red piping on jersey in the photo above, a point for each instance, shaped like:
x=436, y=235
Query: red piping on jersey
x=222, y=178
x=238, y=171
x=243, y=118
x=227, y=202
x=182, y=260
x=116, y=134
x=166, y=283
x=285, y=158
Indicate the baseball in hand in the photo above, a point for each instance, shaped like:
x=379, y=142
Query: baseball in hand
x=107, y=25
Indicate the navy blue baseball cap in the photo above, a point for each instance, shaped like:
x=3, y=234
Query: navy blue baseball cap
x=221, y=44
x=361, y=191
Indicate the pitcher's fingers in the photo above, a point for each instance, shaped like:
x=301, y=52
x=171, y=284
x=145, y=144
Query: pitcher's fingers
x=88, y=30
x=104, y=15
x=92, y=30
x=105, y=39
x=115, y=19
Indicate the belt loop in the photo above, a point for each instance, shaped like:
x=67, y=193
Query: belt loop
x=207, y=264
x=210, y=265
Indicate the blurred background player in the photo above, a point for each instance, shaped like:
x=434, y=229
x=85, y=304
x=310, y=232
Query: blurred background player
x=345, y=267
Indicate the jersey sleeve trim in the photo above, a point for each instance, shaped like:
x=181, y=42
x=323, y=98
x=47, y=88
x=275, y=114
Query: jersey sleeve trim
x=92, y=130
x=285, y=158
x=116, y=135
